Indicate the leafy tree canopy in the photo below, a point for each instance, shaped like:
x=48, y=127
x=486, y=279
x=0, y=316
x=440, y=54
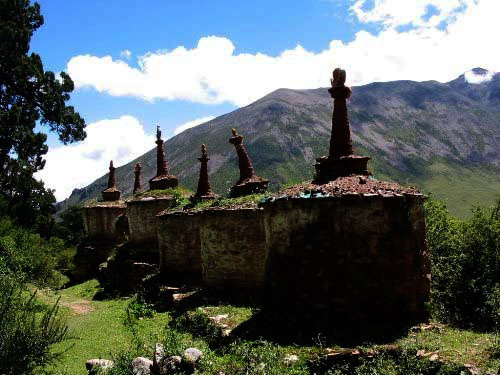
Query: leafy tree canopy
x=29, y=95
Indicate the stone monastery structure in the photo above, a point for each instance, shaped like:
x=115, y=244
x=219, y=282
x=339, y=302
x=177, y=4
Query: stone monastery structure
x=343, y=244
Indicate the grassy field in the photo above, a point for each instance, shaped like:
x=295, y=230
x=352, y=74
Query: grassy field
x=98, y=329
x=101, y=329
x=462, y=188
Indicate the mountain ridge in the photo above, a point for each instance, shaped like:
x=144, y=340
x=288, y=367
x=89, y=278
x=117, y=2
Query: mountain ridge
x=416, y=132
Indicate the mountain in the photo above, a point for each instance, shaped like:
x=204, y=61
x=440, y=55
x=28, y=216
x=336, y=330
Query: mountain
x=442, y=137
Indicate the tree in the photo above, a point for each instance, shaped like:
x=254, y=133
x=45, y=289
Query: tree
x=29, y=96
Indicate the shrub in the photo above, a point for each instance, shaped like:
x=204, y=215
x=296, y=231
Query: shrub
x=198, y=324
x=27, y=331
x=32, y=258
x=465, y=259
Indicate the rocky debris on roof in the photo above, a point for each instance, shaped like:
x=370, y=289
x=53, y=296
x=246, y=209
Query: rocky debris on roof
x=348, y=186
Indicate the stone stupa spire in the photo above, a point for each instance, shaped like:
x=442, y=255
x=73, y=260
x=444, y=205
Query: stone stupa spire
x=341, y=160
x=137, y=181
x=248, y=182
x=204, y=190
x=163, y=179
x=111, y=193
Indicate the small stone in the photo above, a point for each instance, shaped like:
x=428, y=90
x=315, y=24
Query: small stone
x=94, y=365
x=142, y=366
x=192, y=355
x=219, y=318
x=159, y=354
x=171, y=365
x=291, y=359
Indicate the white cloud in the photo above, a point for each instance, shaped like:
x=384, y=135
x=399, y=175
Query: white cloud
x=393, y=13
x=126, y=54
x=77, y=165
x=213, y=73
x=192, y=124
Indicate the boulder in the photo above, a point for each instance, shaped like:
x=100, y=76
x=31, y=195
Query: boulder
x=191, y=357
x=142, y=366
x=94, y=365
x=168, y=365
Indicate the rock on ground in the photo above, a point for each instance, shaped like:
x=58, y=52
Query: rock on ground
x=142, y=366
x=94, y=365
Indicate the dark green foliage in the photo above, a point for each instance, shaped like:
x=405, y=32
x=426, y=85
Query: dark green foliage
x=27, y=331
x=465, y=266
x=138, y=309
x=71, y=227
x=403, y=362
x=122, y=364
x=252, y=357
x=29, y=95
x=30, y=258
x=199, y=324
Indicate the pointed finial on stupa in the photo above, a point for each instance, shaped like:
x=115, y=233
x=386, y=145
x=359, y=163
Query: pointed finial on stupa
x=163, y=179
x=341, y=160
x=137, y=182
x=248, y=183
x=111, y=193
x=204, y=190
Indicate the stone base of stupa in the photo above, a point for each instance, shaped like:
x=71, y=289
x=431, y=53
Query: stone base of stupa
x=252, y=185
x=328, y=169
x=110, y=195
x=163, y=182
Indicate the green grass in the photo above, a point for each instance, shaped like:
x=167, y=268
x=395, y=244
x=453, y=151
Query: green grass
x=246, y=201
x=462, y=188
x=456, y=346
x=100, y=331
x=178, y=191
x=103, y=331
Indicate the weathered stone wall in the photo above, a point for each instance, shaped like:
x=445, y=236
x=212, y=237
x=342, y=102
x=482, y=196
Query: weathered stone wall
x=233, y=248
x=179, y=242
x=100, y=220
x=141, y=214
x=361, y=258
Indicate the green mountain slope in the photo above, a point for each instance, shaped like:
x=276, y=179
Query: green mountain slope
x=442, y=137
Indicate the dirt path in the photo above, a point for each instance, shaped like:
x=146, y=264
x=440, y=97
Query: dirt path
x=79, y=307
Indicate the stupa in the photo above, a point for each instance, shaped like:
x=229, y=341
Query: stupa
x=341, y=161
x=163, y=179
x=249, y=182
x=204, y=190
x=111, y=193
x=137, y=181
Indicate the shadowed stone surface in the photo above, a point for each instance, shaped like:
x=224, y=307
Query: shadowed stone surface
x=180, y=242
x=101, y=220
x=141, y=214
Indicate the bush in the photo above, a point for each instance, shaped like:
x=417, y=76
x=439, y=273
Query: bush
x=27, y=331
x=199, y=324
x=465, y=259
x=31, y=258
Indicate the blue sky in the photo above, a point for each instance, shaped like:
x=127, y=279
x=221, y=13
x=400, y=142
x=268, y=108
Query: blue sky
x=178, y=63
x=103, y=28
